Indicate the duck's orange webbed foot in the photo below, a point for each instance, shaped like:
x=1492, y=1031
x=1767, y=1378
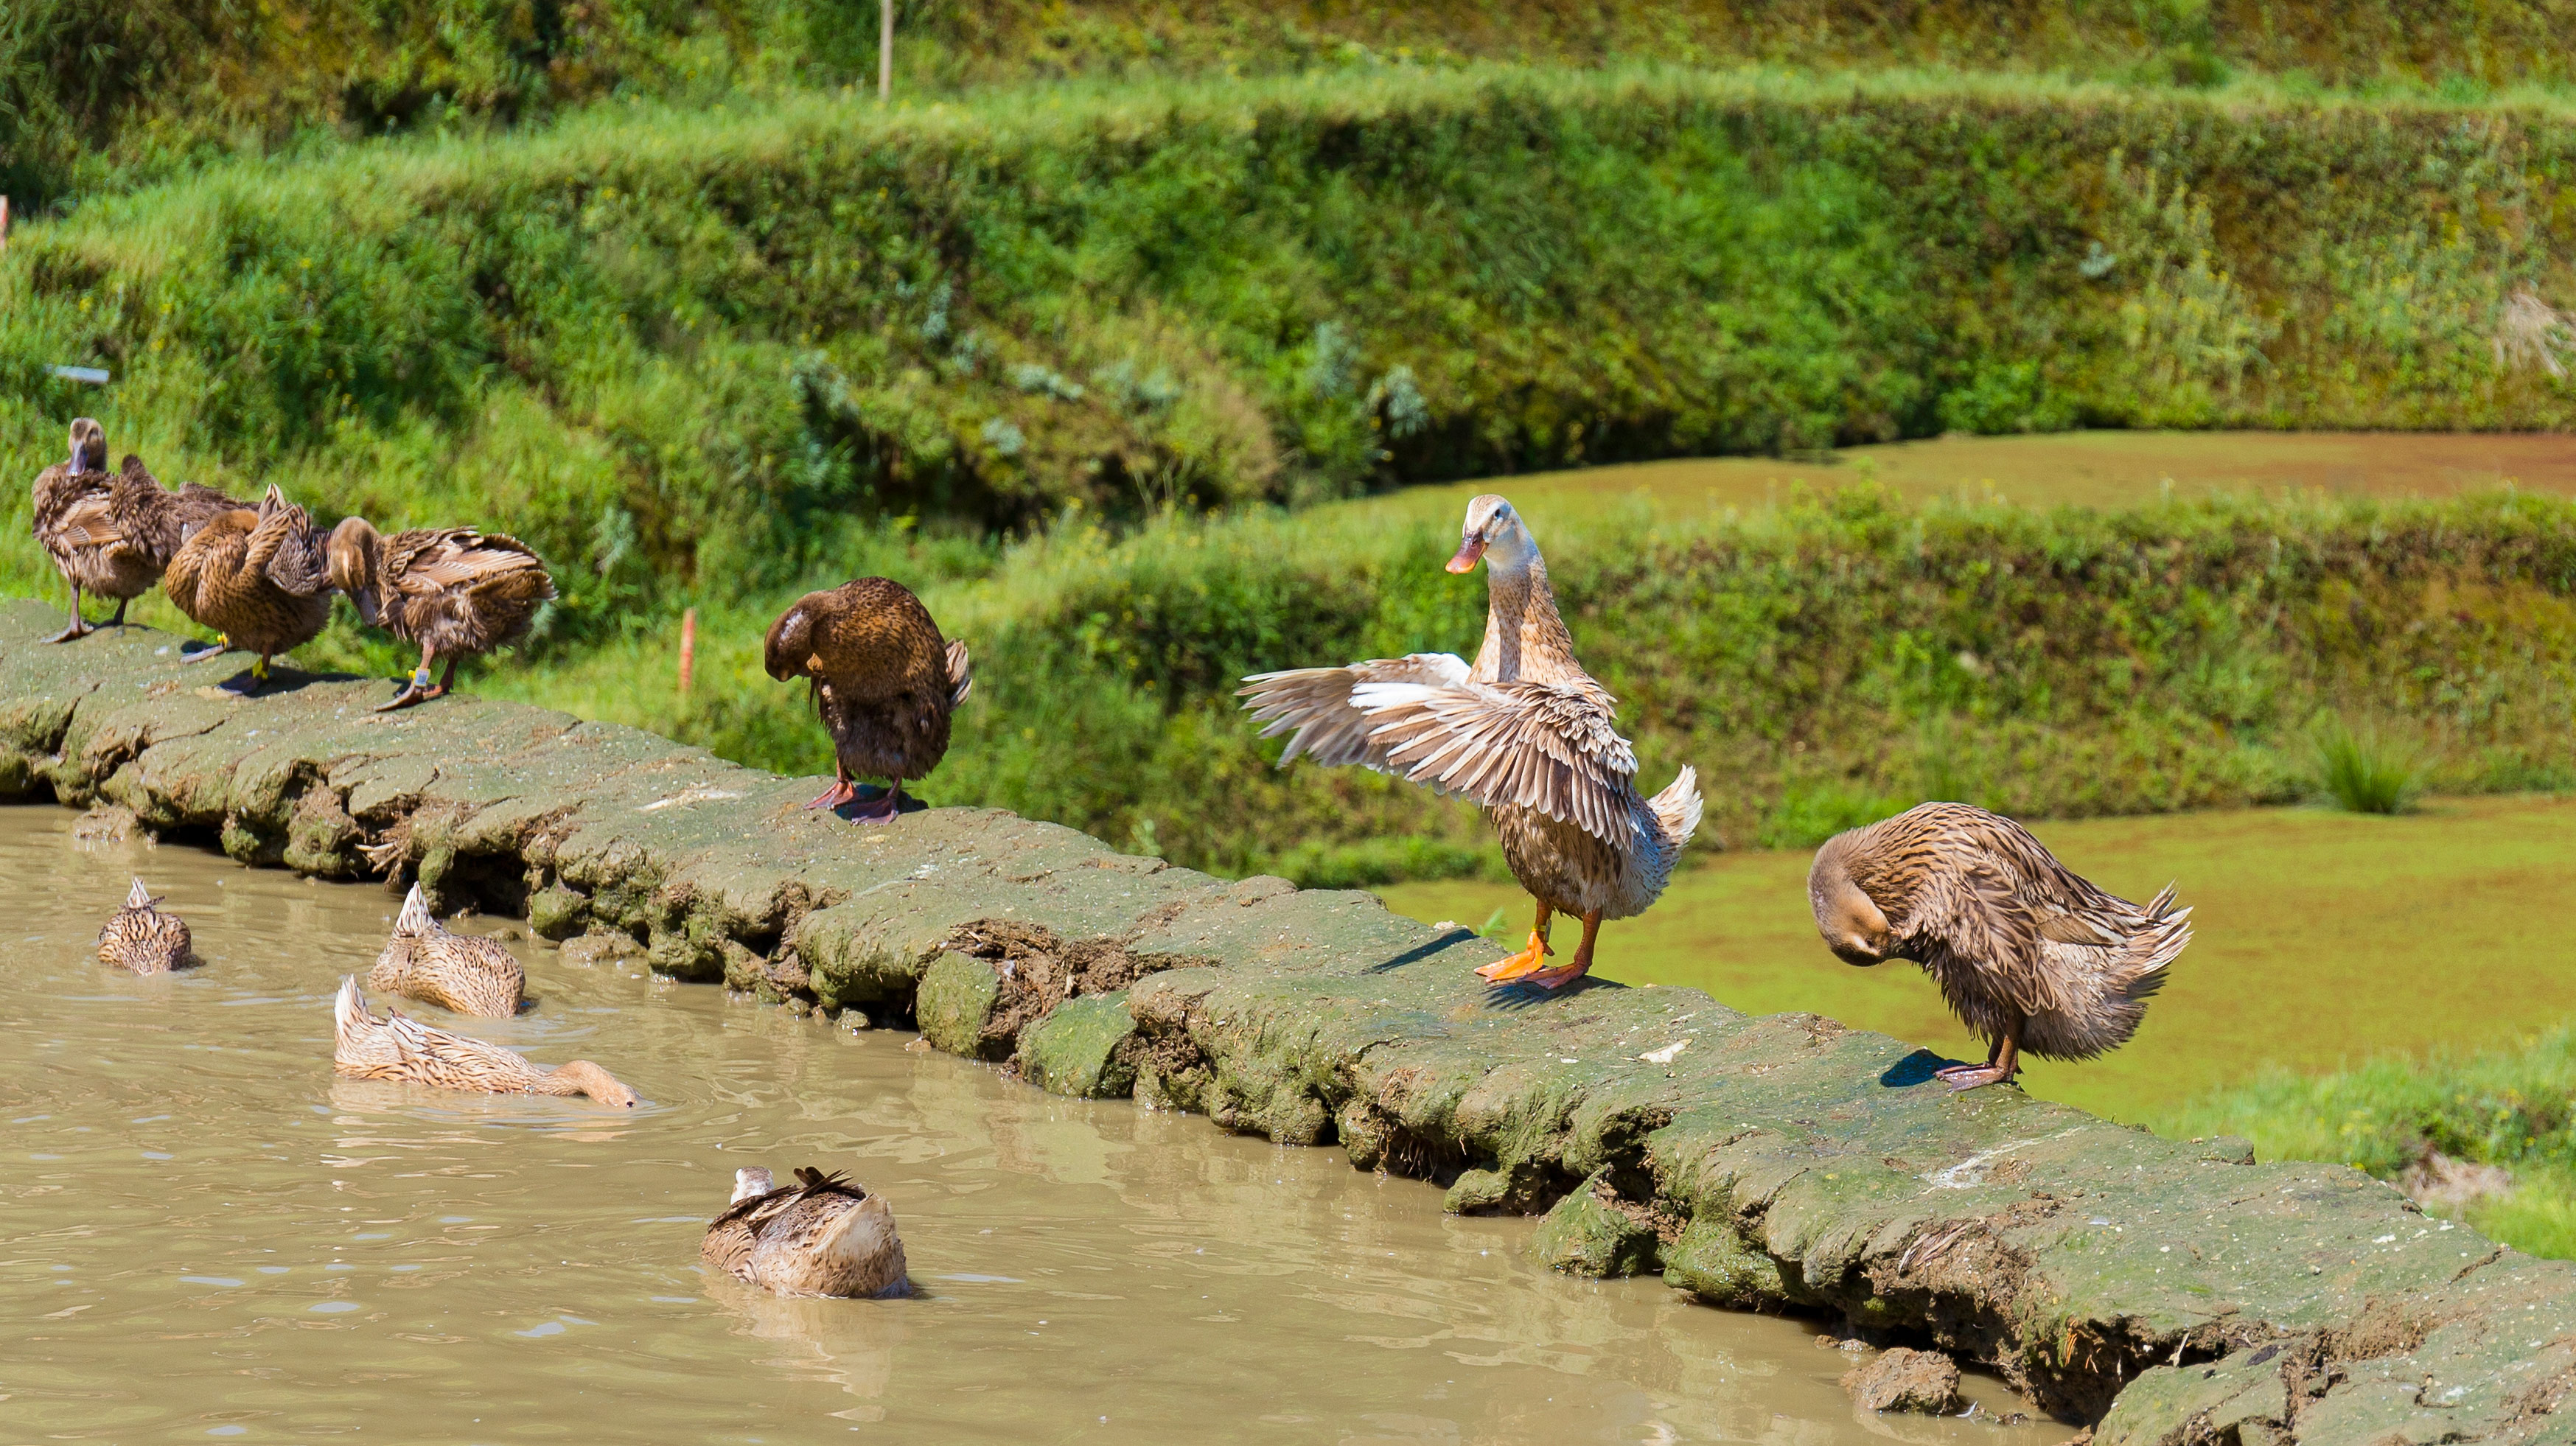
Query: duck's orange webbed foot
x=1521, y=965
x=1561, y=975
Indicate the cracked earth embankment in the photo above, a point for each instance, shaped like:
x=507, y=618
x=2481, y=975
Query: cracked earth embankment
x=2170, y=1292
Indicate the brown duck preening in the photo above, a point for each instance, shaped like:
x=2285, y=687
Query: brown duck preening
x=401, y=1048
x=258, y=578
x=883, y=678
x=454, y=971
x=1525, y=732
x=112, y=533
x=2031, y=956
x=453, y=590
x=143, y=939
x=819, y=1236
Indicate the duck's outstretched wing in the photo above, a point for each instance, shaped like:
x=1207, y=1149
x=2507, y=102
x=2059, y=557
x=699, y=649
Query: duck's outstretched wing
x=1543, y=746
x=1315, y=705
x=463, y=560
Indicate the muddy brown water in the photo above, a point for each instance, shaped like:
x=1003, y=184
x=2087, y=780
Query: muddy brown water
x=207, y=1235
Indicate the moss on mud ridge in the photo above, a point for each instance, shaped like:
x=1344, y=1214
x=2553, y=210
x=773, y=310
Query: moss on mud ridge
x=2168, y=1292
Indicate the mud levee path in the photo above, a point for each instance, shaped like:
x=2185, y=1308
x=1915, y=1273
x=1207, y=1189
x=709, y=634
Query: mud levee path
x=2172, y=1292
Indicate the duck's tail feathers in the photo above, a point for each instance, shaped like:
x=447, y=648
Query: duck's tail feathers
x=961, y=673
x=1678, y=806
x=349, y=1016
x=414, y=918
x=2152, y=950
x=2162, y=904
x=139, y=897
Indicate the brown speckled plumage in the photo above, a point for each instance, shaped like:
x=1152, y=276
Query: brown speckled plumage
x=257, y=577
x=112, y=533
x=453, y=590
x=1525, y=732
x=455, y=971
x=883, y=678
x=2022, y=947
x=141, y=938
x=400, y=1048
x=819, y=1236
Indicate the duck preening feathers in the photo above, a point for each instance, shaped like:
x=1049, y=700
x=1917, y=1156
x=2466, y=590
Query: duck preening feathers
x=819, y=1236
x=453, y=590
x=257, y=577
x=455, y=971
x=883, y=678
x=2031, y=956
x=400, y=1048
x=112, y=533
x=141, y=938
x=1525, y=732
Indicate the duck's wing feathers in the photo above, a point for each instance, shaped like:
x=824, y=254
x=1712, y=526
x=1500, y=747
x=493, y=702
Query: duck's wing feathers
x=1551, y=747
x=464, y=560
x=961, y=673
x=1315, y=705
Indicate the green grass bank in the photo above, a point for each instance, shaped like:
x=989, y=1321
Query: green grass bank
x=95, y=97
x=692, y=356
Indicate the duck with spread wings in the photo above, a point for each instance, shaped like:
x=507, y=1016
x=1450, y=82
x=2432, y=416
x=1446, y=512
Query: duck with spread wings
x=1525, y=732
x=2032, y=957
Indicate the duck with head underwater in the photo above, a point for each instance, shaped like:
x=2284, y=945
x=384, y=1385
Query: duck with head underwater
x=1525, y=732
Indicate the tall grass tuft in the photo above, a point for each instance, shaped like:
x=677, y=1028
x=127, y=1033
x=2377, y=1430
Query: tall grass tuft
x=2365, y=771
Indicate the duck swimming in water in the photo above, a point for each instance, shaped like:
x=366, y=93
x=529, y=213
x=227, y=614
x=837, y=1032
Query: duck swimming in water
x=112, y=533
x=453, y=590
x=401, y=1048
x=258, y=578
x=2031, y=956
x=143, y=939
x=883, y=678
x=1525, y=732
x=424, y=961
x=819, y=1236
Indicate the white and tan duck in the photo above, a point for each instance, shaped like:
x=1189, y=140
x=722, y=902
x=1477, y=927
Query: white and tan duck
x=1525, y=732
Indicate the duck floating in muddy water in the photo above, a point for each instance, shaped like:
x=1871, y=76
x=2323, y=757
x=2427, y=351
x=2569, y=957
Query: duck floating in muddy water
x=406, y=1051
x=453, y=590
x=2030, y=955
x=1525, y=732
x=424, y=961
x=143, y=939
x=112, y=533
x=819, y=1236
x=883, y=678
x=258, y=578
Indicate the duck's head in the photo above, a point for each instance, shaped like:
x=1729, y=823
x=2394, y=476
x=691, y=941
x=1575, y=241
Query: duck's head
x=789, y=649
x=1494, y=533
x=749, y=1182
x=1851, y=922
x=353, y=550
x=89, y=445
x=595, y=1082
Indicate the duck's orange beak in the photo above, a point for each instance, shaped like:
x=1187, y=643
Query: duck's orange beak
x=1468, y=551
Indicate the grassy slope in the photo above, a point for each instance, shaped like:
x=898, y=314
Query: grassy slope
x=679, y=352
x=92, y=96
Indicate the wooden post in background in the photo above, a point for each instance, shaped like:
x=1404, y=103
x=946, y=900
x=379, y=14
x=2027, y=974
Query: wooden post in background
x=688, y=652
x=885, y=50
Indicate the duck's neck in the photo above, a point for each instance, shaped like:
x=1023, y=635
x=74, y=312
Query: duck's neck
x=1524, y=637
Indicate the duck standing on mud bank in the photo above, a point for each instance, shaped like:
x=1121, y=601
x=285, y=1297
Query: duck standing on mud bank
x=883, y=678
x=258, y=578
x=452, y=590
x=2030, y=956
x=112, y=533
x=1525, y=732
